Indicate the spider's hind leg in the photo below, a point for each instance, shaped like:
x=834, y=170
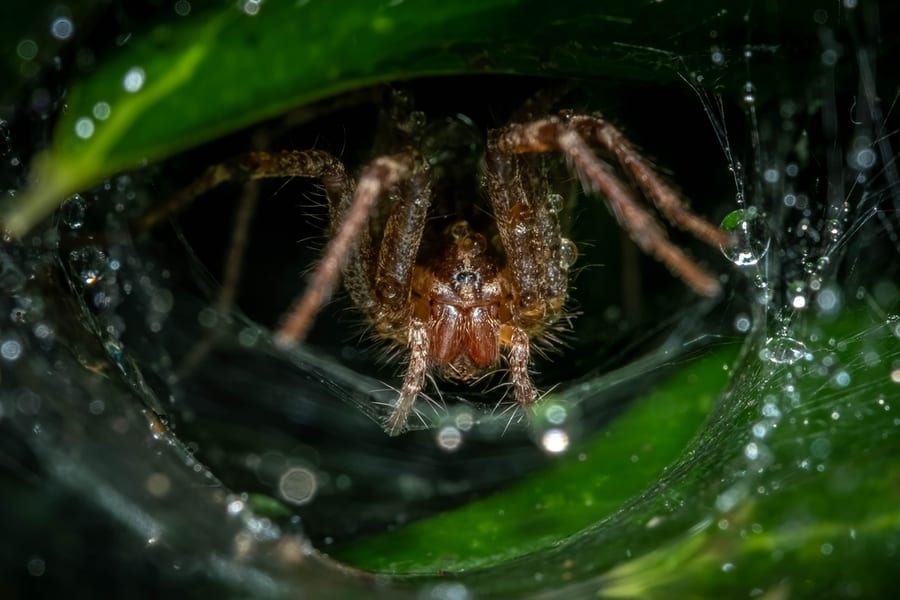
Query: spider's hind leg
x=570, y=136
x=669, y=203
x=247, y=168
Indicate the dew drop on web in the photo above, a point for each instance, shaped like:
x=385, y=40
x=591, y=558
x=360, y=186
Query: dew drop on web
x=555, y=203
x=784, y=350
x=568, y=253
x=72, y=211
x=750, y=237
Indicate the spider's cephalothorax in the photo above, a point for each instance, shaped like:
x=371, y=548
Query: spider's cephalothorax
x=460, y=301
x=463, y=300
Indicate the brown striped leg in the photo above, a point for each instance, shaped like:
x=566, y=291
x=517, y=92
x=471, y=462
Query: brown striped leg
x=554, y=134
x=414, y=379
x=376, y=179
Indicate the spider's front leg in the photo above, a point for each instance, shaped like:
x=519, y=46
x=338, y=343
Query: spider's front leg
x=381, y=284
x=537, y=256
x=570, y=135
x=349, y=247
x=263, y=165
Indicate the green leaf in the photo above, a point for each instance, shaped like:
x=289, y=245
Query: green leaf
x=194, y=78
x=790, y=485
x=589, y=483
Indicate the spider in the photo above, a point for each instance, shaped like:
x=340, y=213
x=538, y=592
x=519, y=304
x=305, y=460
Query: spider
x=464, y=298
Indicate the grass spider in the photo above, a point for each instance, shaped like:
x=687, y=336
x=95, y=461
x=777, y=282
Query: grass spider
x=464, y=293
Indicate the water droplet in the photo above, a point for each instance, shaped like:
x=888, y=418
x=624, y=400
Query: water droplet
x=182, y=8
x=445, y=591
x=829, y=300
x=760, y=430
x=27, y=49
x=297, y=485
x=89, y=264
x=568, y=253
x=528, y=299
x=742, y=323
x=749, y=93
x=101, y=111
x=750, y=237
x=11, y=350
x=43, y=331
x=36, y=566
x=417, y=119
x=865, y=158
x=449, y=438
x=555, y=440
x=460, y=229
x=770, y=410
x=555, y=202
x=388, y=288
x=751, y=451
x=251, y=7
x=842, y=378
x=84, y=128
x=784, y=350
x=556, y=414
x=764, y=292
x=62, y=28
x=73, y=210
x=235, y=507
x=797, y=294
x=133, y=80
x=465, y=420
x=834, y=229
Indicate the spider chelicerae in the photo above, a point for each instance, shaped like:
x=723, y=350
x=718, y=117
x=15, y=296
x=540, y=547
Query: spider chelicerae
x=462, y=295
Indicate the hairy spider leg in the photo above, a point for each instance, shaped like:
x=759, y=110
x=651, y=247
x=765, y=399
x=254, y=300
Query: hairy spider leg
x=554, y=134
x=391, y=278
x=348, y=225
x=533, y=244
x=249, y=168
x=349, y=249
x=667, y=201
x=315, y=164
x=350, y=207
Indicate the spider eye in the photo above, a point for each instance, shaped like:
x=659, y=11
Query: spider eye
x=465, y=278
